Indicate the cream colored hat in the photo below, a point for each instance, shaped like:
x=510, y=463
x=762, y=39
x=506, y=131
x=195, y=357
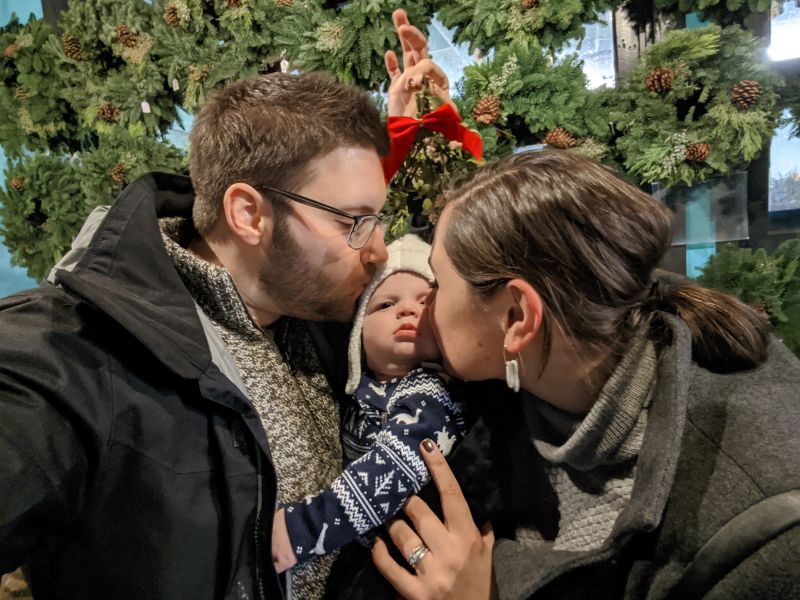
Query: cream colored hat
x=409, y=253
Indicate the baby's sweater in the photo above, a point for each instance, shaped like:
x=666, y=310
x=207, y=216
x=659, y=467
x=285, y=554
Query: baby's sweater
x=381, y=432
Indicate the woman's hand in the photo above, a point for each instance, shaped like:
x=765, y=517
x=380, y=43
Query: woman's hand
x=458, y=563
x=282, y=554
x=417, y=67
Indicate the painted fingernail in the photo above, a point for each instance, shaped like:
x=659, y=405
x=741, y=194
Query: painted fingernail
x=428, y=445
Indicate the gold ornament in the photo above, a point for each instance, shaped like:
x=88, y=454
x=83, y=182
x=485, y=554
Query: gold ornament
x=17, y=182
x=487, y=110
x=560, y=138
x=745, y=94
x=660, y=80
x=72, y=46
x=698, y=153
x=109, y=112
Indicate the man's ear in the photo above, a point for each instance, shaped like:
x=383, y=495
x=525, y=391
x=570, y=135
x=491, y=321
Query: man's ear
x=248, y=213
x=523, y=316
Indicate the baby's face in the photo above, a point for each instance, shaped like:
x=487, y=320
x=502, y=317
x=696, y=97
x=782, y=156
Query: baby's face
x=397, y=336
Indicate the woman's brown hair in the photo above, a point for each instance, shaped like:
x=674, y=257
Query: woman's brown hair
x=589, y=243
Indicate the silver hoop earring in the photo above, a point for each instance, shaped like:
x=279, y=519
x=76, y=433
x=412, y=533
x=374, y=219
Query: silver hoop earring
x=512, y=371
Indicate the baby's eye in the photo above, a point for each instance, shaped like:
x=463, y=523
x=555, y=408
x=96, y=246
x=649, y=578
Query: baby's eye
x=434, y=285
x=385, y=305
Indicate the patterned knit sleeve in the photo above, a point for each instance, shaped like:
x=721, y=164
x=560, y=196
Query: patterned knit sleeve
x=373, y=488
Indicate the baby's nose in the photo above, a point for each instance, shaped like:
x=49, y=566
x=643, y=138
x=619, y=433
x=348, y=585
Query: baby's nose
x=408, y=308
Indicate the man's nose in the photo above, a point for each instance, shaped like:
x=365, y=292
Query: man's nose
x=374, y=251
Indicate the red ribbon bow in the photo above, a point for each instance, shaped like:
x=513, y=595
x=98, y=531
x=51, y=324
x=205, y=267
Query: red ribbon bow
x=445, y=120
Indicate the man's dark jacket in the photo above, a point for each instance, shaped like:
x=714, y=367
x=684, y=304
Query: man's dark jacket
x=130, y=466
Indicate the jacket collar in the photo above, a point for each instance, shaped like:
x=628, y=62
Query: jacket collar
x=120, y=266
x=525, y=570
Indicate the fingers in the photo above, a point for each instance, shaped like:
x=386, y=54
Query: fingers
x=406, y=584
x=392, y=67
x=457, y=517
x=405, y=538
x=427, y=524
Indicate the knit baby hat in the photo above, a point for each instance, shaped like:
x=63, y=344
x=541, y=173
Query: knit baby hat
x=409, y=253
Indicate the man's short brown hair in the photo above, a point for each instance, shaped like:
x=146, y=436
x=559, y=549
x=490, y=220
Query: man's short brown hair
x=266, y=130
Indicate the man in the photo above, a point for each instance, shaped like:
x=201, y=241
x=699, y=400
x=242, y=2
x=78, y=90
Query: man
x=137, y=386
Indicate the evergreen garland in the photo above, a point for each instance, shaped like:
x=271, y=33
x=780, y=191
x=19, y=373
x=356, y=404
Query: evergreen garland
x=770, y=283
x=656, y=133
x=536, y=95
x=36, y=116
x=487, y=24
x=48, y=196
x=348, y=41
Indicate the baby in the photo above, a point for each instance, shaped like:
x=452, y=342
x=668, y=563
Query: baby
x=399, y=400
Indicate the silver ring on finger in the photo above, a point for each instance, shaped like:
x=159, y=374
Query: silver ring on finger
x=417, y=554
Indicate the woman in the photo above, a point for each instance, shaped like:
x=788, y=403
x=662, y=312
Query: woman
x=651, y=411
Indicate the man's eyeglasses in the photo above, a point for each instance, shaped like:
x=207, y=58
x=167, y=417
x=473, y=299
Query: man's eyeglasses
x=363, y=225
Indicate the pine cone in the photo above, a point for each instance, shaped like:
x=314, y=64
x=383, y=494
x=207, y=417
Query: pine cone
x=487, y=110
x=198, y=74
x=698, y=153
x=171, y=16
x=528, y=4
x=660, y=80
x=560, y=138
x=109, y=112
x=126, y=37
x=17, y=182
x=21, y=93
x=745, y=94
x=10, y=51
x=72, y=46
x=119, y=173
x=284, y=3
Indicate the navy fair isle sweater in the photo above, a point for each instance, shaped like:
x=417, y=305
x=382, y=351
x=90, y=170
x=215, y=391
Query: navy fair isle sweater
x=381, y=432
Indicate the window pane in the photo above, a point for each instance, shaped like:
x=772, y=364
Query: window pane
x=785, y=31
x=784, y=171
x=597, y=52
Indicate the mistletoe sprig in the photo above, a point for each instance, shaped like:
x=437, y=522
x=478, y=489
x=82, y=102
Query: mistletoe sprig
x=416, y=195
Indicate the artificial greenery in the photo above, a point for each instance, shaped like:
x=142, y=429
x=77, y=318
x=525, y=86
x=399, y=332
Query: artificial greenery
x=48, y=197
x=349, y=41
x=769, y=282
x=37, y=118
x=202, y=45
x=111, y=69
x=487, y=24
x=536, y=95
x=653, y=131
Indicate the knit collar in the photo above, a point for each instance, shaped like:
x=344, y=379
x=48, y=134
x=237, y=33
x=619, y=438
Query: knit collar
x=210, y=285
x=613, y=430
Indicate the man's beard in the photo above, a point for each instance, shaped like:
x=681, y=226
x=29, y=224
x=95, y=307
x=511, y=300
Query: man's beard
x=297, y=289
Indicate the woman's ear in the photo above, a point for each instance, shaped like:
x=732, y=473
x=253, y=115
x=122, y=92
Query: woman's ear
x=248, y=213
x=523, y=317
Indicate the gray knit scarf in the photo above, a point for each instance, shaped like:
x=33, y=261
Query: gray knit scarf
x=592, y=459
x=284, y=381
